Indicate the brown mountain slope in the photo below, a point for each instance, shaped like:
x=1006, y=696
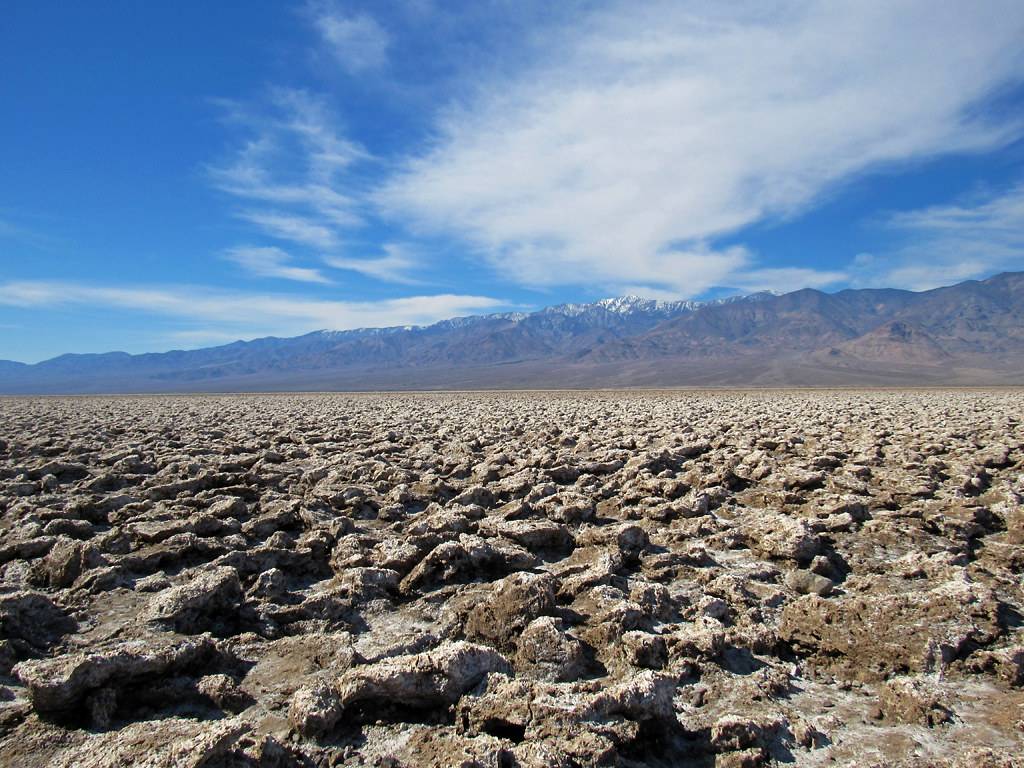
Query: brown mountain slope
x=982, y=321
x=802, y=321
x=970, y=333
x=895, y=342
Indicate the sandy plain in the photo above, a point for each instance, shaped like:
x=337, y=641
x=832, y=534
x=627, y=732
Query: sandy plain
x=513, y=579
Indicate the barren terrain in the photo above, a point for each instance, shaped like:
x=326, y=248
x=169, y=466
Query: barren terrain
x=513, y=579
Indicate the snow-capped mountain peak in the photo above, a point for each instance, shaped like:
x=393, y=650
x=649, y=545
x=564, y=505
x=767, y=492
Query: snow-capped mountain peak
x=629, y=304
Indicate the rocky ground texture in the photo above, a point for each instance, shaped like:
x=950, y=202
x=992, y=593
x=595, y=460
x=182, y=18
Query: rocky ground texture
x=513, y=579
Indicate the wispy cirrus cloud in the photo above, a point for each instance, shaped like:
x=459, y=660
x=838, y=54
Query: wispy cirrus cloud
x=293, y=164
x=651, y=131
x=252, y=176
x=292, y=227
x=942, y=244
x=298, y=167
x=356, y=41
x=268, y=261
x=998, y=217
x=395, y=266
x=246, y=312
x=633, y=140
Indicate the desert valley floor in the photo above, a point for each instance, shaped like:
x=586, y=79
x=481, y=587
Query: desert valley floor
x=513, y=579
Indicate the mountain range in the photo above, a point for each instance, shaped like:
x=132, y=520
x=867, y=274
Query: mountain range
x=971, y=333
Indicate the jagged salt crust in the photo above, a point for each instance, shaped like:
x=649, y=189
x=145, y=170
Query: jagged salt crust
x=513, y=579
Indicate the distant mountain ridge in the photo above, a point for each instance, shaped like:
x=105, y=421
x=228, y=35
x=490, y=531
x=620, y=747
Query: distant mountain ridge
x=969, y=333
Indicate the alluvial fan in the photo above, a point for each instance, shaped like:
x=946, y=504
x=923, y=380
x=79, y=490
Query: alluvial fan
x=513, y=579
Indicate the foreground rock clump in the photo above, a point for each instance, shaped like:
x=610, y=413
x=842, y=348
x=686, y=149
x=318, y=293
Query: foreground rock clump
x=513, y=580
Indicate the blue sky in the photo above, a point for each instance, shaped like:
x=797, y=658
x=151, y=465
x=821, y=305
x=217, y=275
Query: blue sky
x=182, y=175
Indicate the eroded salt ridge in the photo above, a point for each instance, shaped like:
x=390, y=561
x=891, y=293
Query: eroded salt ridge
x=685, y=579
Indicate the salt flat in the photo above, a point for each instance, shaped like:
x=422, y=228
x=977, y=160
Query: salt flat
x=513, y=579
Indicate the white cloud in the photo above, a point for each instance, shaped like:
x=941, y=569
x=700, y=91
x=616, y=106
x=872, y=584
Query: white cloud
x=945, y=244
x=249, y=177
x=293, y=119
x=358, y=42
x=293, y=163
x=272, y=262
x=997, y=217
x=251, y=314
x=292, y=227
x=394, y=267
x=655, y=128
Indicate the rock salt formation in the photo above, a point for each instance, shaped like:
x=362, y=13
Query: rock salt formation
x=513, y=580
